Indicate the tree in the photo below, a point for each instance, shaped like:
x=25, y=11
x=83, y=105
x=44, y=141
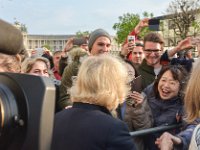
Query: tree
x=126, y=24
x=21, y=26
x=182, y=14
x=196, y=26
x=47, y=47
x=82, y=34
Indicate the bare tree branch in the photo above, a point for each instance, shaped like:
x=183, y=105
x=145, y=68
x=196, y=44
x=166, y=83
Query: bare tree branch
x=182, y=14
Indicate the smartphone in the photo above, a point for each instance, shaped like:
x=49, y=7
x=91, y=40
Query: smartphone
x=154, y=24
x=136, y=84
x=131, y=42
x=131, y=38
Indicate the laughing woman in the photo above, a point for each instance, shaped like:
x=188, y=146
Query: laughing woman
x=165, y=100
x=191, y=131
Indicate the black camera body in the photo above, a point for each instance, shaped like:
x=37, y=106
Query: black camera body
x=27, y=106
x=154, y=24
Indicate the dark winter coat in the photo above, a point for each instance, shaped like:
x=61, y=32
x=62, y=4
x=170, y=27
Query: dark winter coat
x=90, y=127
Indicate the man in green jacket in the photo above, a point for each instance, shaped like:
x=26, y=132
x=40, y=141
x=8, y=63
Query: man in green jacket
x=99, y=43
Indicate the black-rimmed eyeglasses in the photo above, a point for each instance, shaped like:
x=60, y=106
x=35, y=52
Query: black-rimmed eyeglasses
x=149, y=51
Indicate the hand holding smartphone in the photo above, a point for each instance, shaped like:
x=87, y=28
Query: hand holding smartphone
x=131, y=42
x=136, y=84
x=131, y=39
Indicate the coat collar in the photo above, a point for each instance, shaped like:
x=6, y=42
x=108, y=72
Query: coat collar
x=91, y=107
x=147, y=68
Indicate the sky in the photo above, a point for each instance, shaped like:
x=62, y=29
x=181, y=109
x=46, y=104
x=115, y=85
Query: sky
x=71, y=16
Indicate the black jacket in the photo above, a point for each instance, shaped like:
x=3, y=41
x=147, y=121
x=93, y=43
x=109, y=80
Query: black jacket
x=89, y=127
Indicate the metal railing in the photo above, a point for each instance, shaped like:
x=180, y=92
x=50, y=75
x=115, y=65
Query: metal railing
x=154, y=130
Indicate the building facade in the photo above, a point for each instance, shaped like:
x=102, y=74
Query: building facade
x=56, y=42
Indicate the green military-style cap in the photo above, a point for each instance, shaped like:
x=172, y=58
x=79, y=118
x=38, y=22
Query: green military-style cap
x=11, y=39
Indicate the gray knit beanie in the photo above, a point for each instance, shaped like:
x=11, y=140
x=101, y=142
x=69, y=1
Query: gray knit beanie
x=96, y=34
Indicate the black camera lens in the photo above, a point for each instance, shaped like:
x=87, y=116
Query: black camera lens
x=12, y=119
x=27, y=106
x=1, y=117
x=9, y=111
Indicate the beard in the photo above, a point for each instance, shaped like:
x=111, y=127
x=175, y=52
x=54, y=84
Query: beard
x=153, y=60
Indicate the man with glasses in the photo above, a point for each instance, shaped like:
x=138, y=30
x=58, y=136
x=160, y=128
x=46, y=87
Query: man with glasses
x=154, y=56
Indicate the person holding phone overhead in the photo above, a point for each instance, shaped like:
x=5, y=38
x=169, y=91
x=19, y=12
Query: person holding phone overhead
x=128, y=46
x=154, y=54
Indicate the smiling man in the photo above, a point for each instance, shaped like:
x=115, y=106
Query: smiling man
x=154, y=54
x=151, y=66
x=99, y=42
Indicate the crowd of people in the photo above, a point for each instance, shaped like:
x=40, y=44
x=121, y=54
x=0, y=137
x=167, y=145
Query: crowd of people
x=98, y=101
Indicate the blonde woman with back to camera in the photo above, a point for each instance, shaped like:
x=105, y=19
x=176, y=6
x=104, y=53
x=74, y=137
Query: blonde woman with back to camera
x=100, y=87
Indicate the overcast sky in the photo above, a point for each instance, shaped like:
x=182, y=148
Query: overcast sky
x=70, y=16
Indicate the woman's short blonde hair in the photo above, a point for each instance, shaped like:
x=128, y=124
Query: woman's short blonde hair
x=101, y=80
x=28, y=63
x=192, y=94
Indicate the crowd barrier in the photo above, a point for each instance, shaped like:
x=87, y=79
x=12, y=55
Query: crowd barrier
x=154, y=130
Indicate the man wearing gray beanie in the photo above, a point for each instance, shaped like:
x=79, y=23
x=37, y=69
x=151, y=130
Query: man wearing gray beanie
x=99, y=42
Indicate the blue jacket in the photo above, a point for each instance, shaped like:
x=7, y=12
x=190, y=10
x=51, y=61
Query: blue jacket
x=186, y=135
x=164, y=111
x=90, y=127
